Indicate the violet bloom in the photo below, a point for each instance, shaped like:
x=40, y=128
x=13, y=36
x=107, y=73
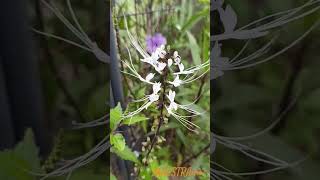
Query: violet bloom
x=155, y=41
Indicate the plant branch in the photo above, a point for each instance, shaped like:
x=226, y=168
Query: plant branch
x=162, y=105
x=195, y=155
x=52, y=65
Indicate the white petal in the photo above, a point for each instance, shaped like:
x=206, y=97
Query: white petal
x=181, y=67
x=177, y=82
x=175, y=54
x=149, y=77
x=155, y=57
x=169, y=62
x=172, y=106
x=162, y=54
x=156, y=87
x=177, y=60
x=175, y=106
x=153, y=97
x=161, y=66
x=171, y=96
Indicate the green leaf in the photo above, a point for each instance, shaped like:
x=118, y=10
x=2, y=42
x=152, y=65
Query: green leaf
x=126, y=154
x=194, y=19
x=12, y=167
x=115, y=116
x=17, y=163
x=195, y=50
x=28, y=150
x=118, y=141
x=112, y=177
x=134, y=119
x=205, y=45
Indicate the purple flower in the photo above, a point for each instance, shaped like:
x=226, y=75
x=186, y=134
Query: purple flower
x=153, y=42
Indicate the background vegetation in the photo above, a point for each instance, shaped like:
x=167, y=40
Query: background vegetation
x=247, y=101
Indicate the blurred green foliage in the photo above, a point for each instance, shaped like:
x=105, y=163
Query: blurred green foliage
x=247, y=101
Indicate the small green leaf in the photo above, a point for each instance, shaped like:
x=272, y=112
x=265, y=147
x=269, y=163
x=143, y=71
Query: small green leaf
x=126, y=154
x=118, y=141
x=115, y=116
x=134, y=120
x=112, y=177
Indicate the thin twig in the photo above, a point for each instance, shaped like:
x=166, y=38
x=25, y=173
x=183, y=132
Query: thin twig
x=52, y=65
x=195, y=155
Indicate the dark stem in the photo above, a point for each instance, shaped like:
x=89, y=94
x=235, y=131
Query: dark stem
x=161, y=104
x=203, y=80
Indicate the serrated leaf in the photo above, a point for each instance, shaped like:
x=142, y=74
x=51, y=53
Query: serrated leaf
x=118, y=141
x=134, y=119
x=28, y=150
x=126, y=154
x=15, y=164
x=115, y=116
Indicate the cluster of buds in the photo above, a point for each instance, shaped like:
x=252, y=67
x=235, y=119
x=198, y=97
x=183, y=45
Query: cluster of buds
x=147, y=145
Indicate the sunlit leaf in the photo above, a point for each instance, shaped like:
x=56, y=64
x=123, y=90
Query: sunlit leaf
x=115, y=116
x=126, y=154
x=134, y=119
x=118, y=141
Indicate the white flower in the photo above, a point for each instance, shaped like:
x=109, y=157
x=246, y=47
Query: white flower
x=153, y=98
x=181, y=67
x=170, y=62
x=156, y=87
x=149, y=77
x=176, y=58
x=173, y=105
x=153, y=59
x=176, y=82
x=171, y=95
x=160, y=66
x=161, y=52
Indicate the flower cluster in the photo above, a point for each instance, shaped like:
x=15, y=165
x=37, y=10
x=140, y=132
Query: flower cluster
x=167, y=72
